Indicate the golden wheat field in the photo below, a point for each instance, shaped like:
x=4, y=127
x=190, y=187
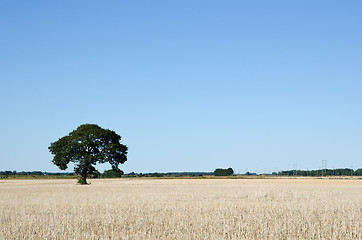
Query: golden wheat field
x=181, y=209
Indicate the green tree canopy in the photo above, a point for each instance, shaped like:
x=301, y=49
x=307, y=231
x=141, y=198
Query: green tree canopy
x=223, y=172
x=112, y=174
x=86, y=146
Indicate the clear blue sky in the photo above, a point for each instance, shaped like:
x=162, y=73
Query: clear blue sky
x=189, y=85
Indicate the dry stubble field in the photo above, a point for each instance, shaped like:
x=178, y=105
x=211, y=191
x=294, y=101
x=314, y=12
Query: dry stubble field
x=181, y=209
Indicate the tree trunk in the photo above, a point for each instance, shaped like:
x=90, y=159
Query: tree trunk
x=83, y=177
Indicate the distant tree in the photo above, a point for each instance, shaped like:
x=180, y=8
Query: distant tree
x=223, y=172
x=96, y=174
x=358, y=172
x=112, y=174
x=230, y=171
x=86, y=146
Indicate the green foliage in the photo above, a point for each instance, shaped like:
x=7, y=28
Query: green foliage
x=112, y=174
x=223, y=172
x=131, y=174
x=86, y=146
x=326, y=172
x=156, y=174
x=82, y=181
x=96, y=174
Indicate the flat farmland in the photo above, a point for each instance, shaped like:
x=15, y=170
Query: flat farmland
x=142, y=208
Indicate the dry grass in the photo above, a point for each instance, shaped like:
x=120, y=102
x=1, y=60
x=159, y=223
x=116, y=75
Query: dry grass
x=181, y=209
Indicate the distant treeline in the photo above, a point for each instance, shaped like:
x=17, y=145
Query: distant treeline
x=106, y=174
x=217, y=172
x=33, y=173
x=322, y=172
x=114, y=174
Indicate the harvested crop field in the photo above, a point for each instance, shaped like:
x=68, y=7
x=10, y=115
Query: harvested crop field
x=181, y=209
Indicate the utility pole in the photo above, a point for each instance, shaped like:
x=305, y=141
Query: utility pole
x=295, y=166
x=351, y=171
x=324, y=167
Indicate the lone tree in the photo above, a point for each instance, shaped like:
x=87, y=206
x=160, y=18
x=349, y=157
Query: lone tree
x=86, y=146
x=223, y=172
